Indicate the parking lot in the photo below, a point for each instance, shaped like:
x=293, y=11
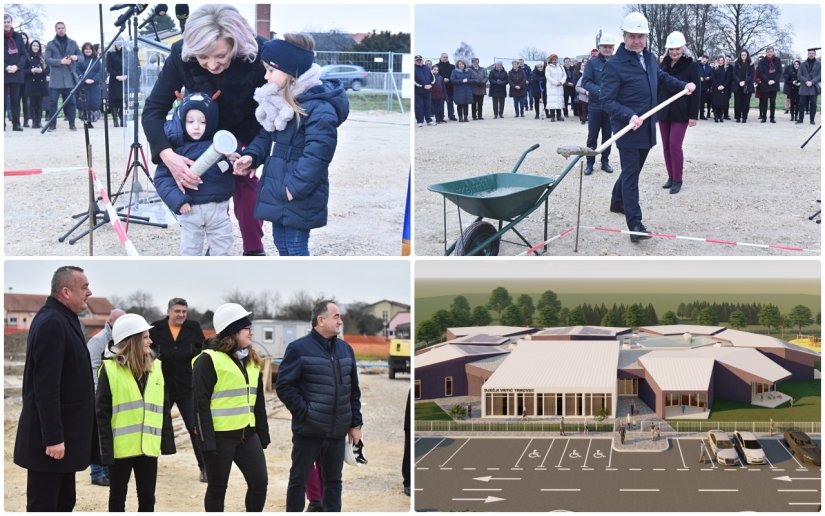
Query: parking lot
x=586, y=474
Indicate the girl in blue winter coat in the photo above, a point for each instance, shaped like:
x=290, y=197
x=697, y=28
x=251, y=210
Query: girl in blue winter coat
x=300, y=114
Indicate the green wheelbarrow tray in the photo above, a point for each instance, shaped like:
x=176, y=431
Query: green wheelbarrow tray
x=500, y=196
x=505, y=197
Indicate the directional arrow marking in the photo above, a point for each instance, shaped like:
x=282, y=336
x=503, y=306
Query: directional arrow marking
x=489, y=478
x=489, y=499
x=788, y=479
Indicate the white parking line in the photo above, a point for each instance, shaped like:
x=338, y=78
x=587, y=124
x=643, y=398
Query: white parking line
x=782, y=445
x=563, y=452
x=796, y=490
x=680, y=453
x=564, y=469
x=638, y=490
x=469, y=469
x=522, y=453
x=546, y=454
x=429, y=452
x=635, y=469
x=610, y=460
x=587, y=454
x=561, y=490
x=611, y=469
x=659, y=469
x=446, y=469
x=718, y=490
x=454, y=454
x=493, y=469
x=803, y=503
x=422, y=469
x=482, y=489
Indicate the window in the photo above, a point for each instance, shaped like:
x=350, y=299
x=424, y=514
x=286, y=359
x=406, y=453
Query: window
x=448, y=386
x=267, y=334
x=417, y=394
x=11, y=321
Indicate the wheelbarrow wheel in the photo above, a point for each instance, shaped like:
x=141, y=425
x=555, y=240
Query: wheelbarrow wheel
x=476, y=233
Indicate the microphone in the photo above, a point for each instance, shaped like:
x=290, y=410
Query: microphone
x=223, y=143
x=159, y=10
x=182, y=14
x=134, y=9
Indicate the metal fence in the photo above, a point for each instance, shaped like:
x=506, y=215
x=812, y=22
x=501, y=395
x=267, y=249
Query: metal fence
x=604, y=426
x=385, y=75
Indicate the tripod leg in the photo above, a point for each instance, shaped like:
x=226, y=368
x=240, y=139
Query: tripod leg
x=83, y=218
x=78, y=237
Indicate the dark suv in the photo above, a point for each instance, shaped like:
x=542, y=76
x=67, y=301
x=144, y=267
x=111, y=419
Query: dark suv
x=802, y=447
x=352, y=77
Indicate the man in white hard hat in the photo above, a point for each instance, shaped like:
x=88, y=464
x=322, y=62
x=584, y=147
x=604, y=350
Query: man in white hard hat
x=630, y=87
x=597, y=118
x=318, y=383
x=57, y=432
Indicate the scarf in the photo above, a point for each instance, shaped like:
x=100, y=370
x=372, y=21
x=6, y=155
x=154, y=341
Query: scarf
x=273, y=112
x=11, y=46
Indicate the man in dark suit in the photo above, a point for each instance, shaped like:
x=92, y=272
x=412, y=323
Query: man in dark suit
x=57, y=433
x=630, y=86
x=177, y=340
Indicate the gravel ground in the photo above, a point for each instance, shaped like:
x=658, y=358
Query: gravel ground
x=374, y=487
x=742, y=183
x=372, y=156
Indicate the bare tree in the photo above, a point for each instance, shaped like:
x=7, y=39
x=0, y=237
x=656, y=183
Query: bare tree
x=532, y=54
x=358, y=317
x=753, y=27
x=299, y=306
x=142, y=303
x=254, y=302
x=27, y=18
x=464, y=52
x=696, y=26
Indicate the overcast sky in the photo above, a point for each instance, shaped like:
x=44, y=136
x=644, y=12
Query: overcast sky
x=204, y=282
x=82, y=19
x=619, y=269
x=502, y=31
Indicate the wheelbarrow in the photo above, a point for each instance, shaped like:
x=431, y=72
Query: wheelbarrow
x=510, y=198
x=506, y=197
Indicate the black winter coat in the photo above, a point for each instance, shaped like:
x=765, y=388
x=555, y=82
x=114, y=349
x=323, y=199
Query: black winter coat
x=204, y=379
x=518, y=78
x=236, y=104
x=765, y=74
x=721, y=77
x=114, y=67
x=742, y=72
x=176, y=355
x=498, y=82
x=18, y=58
x=687, y=107
x=445, y=70
x=103, y=408
x=538, y=83
x=36, y=84
x=58, y=394
x=318, y=383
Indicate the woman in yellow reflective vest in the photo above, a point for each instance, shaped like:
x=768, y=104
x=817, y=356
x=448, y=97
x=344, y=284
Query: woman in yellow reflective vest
x=133, y=414
x=230, y=409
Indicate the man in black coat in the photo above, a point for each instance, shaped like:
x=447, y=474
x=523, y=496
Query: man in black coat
x=770, y=74
x=57, y=433
x=318, y=383
x=14, y=62
x=445, y=68
x=177, y=340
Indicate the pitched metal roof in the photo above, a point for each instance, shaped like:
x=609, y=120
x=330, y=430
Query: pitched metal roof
x=454, y=351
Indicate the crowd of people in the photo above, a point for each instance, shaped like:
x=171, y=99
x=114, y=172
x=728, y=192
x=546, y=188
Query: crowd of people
x=108, y=403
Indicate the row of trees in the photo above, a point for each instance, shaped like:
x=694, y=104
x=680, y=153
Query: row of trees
x=548, y=312
x=265, y=305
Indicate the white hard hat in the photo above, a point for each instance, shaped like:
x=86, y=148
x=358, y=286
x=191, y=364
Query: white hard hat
x=226, y=314
x=607, y=39
x=635, y=23
x=675, y=40
x=354, y=453
x=128, y=325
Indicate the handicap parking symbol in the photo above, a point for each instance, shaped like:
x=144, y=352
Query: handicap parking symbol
x=575, y=455
x=534, y=454
x=599, y=455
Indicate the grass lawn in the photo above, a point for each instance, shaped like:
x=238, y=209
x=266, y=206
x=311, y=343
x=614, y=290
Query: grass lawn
x=429, y=411
x=806, y=407
x=366, y=101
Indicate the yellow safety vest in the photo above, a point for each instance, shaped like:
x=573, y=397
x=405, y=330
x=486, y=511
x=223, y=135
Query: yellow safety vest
x=233, y=399
x=137, y=421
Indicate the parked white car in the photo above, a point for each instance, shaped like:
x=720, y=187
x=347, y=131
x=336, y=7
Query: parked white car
x=750, y=448
x=722, y=448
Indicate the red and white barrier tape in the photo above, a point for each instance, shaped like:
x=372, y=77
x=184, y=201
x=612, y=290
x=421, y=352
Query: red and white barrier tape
x=675, y=237
x=38, y=171
x=114, y=218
